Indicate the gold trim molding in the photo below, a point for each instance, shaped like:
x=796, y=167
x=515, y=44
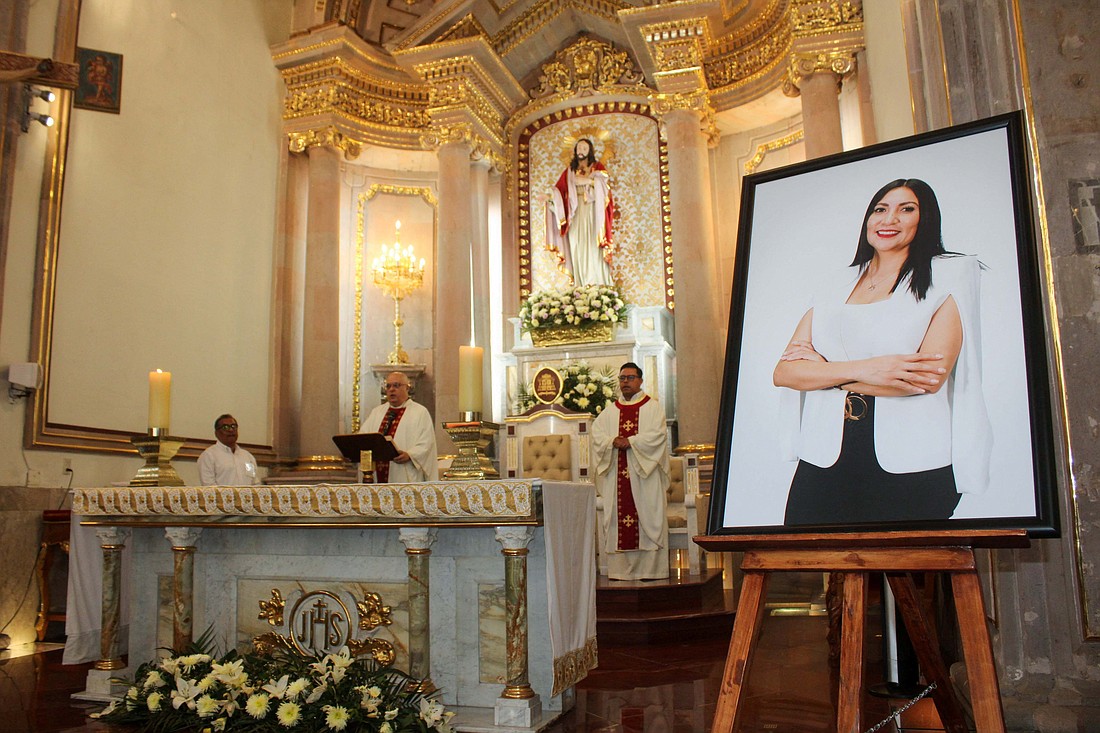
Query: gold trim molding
x=328, y=136
x=771, y=146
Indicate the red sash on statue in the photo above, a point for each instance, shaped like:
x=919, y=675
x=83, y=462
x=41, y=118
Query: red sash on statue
x=627, y=509
x=389, y=429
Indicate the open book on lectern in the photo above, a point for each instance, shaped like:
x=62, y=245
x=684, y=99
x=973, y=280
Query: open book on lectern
x=351, y=446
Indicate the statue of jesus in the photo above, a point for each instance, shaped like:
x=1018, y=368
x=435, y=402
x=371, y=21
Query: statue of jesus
x=579, y=212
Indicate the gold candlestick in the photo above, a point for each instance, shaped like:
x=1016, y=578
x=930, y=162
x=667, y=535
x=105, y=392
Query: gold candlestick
x=471, y=436
x=158, y=450
x=398, y=273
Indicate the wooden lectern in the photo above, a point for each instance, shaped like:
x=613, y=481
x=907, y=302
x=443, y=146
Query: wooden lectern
x=854, y=555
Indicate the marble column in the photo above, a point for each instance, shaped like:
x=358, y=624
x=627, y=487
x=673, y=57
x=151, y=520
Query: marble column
x=320, y=399
x=112, y=540
x=418, y=543
x=99, y=685
x=453, y=278
x=699, y=332
x=183, y=541
x=518, y=704
x=821, y=114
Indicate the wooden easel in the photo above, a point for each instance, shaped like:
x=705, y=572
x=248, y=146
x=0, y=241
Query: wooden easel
x=897, y=554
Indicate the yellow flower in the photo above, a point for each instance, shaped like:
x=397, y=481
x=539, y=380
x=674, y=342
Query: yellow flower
x=297, y=687
x=289, y=713
x=336, y=716
x=257, y=705
x=206, y=706
x=153, y=701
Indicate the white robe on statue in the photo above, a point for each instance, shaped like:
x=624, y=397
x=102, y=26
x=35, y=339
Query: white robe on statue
x=647, y=461
x=416, y=436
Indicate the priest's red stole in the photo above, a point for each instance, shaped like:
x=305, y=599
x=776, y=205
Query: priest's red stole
x=627, y=509
x=389, y=429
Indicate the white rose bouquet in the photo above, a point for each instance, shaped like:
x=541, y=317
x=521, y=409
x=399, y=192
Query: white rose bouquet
x=580, y=307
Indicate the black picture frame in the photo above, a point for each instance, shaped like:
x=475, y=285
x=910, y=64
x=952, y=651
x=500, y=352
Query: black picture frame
x=798, y=226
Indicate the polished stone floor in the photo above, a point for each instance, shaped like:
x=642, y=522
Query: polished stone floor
x=636, y=689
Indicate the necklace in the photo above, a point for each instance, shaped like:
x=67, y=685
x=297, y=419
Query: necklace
x=873, y=282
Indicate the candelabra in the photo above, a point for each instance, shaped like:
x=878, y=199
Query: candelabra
x=397, y=273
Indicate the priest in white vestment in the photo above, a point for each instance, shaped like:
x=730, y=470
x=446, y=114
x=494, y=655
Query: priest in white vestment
x=632, y=476
x=410, y=426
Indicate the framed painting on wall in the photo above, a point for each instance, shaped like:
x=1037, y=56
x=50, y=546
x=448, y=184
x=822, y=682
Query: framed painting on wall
x=100, y=85
x=887, y=364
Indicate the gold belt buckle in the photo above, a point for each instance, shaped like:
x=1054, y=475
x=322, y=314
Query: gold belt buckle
x=855, y=407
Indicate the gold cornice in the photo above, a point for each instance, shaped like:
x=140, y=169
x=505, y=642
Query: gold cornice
x=467, y=27
x=342, y=45
x=543, y=12
x=763, y=149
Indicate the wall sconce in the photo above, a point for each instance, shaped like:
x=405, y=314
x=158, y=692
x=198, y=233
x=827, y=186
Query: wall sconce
x=30, y=93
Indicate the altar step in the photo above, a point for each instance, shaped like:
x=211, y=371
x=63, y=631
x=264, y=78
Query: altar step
x=681, y=608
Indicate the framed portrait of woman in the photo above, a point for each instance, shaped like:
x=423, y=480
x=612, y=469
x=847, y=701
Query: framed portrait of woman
x=887, y=358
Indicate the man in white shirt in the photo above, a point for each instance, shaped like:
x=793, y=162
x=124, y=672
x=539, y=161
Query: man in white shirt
x=410, y=426
x=630, y=446
x=225, y=463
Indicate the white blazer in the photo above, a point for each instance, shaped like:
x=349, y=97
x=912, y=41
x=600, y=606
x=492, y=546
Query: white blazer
x=916, y=433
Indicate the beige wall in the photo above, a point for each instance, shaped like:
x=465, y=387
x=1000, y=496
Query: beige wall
x=167, y=230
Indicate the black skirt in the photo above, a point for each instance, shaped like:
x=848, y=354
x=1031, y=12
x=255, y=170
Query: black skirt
x=856, y=489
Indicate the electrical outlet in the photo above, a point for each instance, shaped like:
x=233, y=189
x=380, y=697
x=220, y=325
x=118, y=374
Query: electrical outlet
x=66, y=465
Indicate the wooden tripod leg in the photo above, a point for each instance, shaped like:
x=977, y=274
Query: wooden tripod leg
x=746, y=629
x=852, y=625
x=928, y=652
x=985, y=694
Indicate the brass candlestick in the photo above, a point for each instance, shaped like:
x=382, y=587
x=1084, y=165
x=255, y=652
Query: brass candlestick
x=398, y=273
x=158, y=449
x=471, y=436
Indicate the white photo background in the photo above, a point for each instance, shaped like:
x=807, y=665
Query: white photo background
x=808, y=224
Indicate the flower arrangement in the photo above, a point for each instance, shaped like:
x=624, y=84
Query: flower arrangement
x=584, y=389
x=285, y=691
x=582, y=307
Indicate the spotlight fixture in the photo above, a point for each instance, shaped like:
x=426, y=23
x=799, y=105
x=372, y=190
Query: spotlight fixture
x=41, y=93
x=30, y=93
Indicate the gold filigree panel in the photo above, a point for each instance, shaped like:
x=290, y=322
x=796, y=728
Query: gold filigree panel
x=628, y=143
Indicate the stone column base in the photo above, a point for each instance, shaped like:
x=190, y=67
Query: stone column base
x=523, y=713
x=100, y=687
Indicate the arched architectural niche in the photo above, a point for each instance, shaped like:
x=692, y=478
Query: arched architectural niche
x=590, y=89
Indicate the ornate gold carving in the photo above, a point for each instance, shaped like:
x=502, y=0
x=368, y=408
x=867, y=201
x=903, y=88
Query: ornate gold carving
x=383, y=110
x=814, y=17
x=382, y=651
x=272, y=610
x=587, y=67
x=840, y=63
x=326, y=136
x=542, y=13
x=764, y=148
x=373, y=613
x=698, y=102
x=320, y=621
x=745, y=64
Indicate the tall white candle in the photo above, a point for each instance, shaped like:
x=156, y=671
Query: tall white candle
x=469, y=378
x=160, y=399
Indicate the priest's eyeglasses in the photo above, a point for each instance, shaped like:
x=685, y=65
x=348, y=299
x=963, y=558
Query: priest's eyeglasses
x=229, y=427
x=394, y=385
x=628, y=377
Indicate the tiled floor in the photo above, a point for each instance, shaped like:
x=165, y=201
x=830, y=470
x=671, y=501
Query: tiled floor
x=667, y=688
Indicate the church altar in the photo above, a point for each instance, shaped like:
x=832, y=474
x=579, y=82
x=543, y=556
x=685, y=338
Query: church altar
x=485, y=588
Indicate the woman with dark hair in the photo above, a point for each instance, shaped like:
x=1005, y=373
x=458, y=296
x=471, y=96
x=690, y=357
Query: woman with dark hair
x=579, y=212
x=888, y=364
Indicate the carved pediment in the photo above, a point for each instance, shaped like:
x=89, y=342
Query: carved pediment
x=587, y=67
